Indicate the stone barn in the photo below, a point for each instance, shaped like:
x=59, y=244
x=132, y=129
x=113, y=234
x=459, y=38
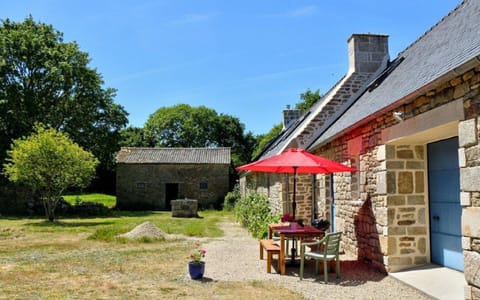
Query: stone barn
x=149, y=178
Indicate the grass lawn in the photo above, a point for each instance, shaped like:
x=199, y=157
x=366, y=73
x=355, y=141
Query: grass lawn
x=82, y=259
x=107, y=200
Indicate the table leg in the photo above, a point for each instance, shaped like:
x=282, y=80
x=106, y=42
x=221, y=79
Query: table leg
x=282, y=254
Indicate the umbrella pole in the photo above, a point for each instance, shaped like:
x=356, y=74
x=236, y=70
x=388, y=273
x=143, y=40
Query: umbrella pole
x=294, y=203
x=294, y=208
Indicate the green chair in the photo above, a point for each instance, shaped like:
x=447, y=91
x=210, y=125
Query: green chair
x=327, y=249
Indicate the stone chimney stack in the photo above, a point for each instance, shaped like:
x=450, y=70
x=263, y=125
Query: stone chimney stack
x=290, y=116
x=367, y=52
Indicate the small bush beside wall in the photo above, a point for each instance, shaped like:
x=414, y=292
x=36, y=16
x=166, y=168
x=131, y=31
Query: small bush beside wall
x=253, y=212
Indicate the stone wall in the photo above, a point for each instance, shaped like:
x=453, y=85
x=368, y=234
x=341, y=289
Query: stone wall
x=16, y=200
x=401, y=183
x=143, y=186
x=469, y=160
x=385, y=215
x=269, y=184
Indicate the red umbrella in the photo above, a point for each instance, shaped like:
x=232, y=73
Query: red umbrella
x=296, y=160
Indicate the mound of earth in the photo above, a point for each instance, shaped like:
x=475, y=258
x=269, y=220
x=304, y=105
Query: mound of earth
x=145, y=230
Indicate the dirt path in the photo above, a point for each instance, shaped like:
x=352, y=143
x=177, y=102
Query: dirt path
x=235, y=257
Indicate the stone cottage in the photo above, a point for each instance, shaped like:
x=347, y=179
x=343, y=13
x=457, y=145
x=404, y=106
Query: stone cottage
x=149, y=178
x=411, y=127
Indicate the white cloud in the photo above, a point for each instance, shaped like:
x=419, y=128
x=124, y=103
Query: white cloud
x=302, y=11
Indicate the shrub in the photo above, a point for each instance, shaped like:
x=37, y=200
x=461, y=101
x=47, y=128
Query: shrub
x=231, y=198
x=253, y=212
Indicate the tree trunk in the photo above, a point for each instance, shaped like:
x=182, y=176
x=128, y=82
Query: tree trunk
x=49, y=208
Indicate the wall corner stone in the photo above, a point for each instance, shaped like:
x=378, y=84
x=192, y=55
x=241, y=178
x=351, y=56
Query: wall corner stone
x=462, y=160
x=467, y=133
x=469, y=179
x=465, y=199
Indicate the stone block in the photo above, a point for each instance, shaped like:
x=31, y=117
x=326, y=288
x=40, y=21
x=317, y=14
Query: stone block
x=471, y=222
x=405, y=154
x=469, y=179
x=381, y=153
x=419, y=182
x=390, y=215
x=420, y=152
x=467, y=133
x=420, y=260
x=381, y=215
x=461, y=90
x=472, y=156
x=395, y=200
x=465, y=199
x=390, y=151
x=400, y=261
x=405, y=222
x=416, y=165
x=475, y=245
x=422, y=245
x=184, y=208
x=417, y=230
x=421, y=216
x=416, y=200
x=396, y=230
x=472, y=267
x=462, y=161
x=381, y=182
x=466, y=243
x=391, y=183
x=467, y=292
x=395, y=164
x=405, y=182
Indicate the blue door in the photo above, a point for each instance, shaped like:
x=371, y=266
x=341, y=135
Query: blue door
x=445, y=209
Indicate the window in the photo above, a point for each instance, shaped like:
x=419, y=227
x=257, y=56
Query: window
x=141, y=185
x=203, y=186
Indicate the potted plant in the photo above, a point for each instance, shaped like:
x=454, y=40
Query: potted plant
x=196, y=267
x=286, y=218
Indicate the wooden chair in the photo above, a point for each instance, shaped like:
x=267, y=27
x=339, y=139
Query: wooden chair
x=327, y=249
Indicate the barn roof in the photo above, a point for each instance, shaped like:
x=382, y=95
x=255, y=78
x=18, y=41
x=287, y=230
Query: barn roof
x=131, y=155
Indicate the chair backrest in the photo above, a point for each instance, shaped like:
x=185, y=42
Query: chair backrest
x=332, y=243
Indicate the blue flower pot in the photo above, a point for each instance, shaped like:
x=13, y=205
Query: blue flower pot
x=196, y=269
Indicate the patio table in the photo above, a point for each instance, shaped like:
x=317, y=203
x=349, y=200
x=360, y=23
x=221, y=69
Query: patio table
x=294, y=231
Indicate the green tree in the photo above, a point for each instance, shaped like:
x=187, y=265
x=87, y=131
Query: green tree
x=308, y=99
x=185, y=126
x=264, y=139
x=49, y=162
x=44, y=79
x=133, y=137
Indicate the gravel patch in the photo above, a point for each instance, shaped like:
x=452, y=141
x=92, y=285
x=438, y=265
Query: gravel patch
x=144, y=230
x=235, y=257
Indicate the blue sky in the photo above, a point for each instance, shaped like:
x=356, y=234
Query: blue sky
x=247, y=58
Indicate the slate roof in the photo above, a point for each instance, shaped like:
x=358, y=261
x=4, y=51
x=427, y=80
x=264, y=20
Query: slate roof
x=131, y=155
x=452, y=42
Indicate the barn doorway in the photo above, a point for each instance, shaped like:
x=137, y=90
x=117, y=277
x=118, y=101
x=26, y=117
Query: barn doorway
x=171, y=193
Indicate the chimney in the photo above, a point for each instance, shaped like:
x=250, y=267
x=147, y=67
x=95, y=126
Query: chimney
x=367, y=52
x=290, y=116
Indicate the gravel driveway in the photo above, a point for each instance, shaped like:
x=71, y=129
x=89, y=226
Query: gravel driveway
x=234, y=257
